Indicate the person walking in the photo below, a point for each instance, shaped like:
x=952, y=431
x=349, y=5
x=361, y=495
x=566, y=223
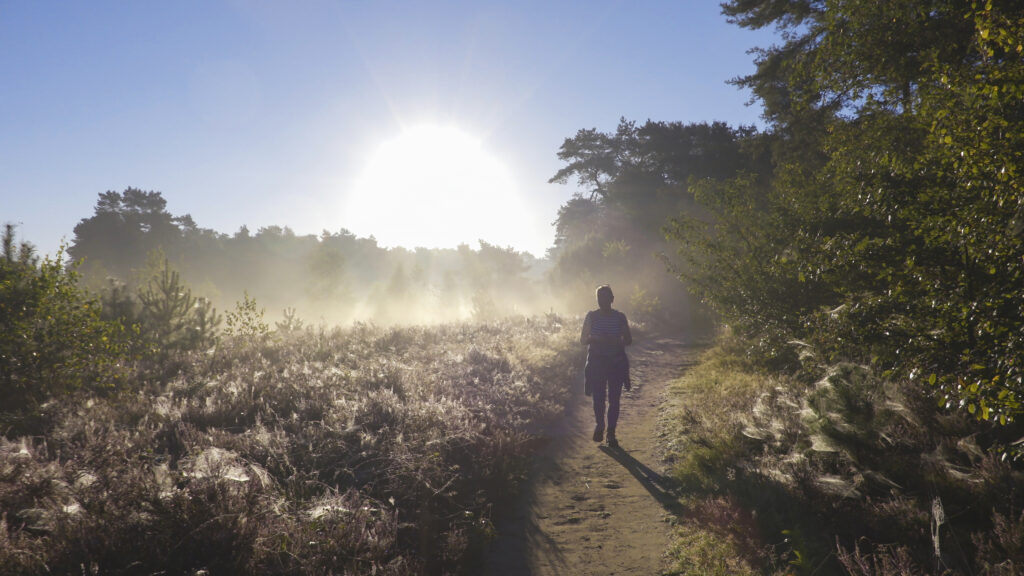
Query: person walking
x=606, y=335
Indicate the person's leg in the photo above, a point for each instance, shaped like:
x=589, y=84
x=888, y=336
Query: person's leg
x=599, y=389
x=614, y=395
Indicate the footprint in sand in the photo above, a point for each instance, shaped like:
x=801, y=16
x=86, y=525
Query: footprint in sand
x=569, y=520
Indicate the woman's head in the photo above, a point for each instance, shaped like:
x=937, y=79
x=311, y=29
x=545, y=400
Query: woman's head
x=605, y=296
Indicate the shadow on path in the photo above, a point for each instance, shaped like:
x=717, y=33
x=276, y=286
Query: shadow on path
x=511, y=556
x=522, y=538
x=663, y=489
x=546, y=529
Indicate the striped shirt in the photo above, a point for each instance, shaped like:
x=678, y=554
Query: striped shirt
x=611, y=328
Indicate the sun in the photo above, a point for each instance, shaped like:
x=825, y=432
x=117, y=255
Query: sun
x=435, y=187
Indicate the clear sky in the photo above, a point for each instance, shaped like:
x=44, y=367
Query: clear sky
x=262, y=112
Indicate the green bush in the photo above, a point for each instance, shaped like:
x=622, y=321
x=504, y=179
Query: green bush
x=246, y=322
x=52, y=339
x=171, y=319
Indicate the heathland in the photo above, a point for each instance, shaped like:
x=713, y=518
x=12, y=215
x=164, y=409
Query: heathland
x=291, y=451
x=857, y=265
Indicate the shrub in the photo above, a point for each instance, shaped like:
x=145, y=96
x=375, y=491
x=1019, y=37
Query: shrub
x=245, y=322
x=52, y=340
x=171, y=319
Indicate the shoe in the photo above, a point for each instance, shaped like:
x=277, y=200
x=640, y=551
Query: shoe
x=612, y=441
x=598, y=433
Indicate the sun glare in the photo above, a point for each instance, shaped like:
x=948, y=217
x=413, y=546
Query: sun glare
x=436, y=187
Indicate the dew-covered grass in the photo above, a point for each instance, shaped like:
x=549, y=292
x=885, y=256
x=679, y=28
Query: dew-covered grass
x=318, y=451
x=853, y=473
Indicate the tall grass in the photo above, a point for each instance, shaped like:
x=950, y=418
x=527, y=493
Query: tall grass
x=851, y=473
x=311, y=451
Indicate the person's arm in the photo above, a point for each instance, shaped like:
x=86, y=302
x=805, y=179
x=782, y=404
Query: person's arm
x=627, y=336
x=585, y=334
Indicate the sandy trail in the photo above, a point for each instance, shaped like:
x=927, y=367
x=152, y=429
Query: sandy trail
x=590, y=509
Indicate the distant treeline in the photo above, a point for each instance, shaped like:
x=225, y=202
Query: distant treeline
x=333, y=277
x=635, y=181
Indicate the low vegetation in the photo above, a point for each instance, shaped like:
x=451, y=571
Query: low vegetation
x=846, y=474
x=296, y=450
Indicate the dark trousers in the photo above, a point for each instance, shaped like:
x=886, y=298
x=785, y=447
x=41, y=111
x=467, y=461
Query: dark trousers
x=613, y=391
x=604, y=379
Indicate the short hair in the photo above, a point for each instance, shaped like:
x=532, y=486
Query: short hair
x=605, y=289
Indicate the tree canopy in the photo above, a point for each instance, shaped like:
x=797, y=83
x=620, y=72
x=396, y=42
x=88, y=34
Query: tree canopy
x=635, y=178
x=890, y=230
x=877, y=218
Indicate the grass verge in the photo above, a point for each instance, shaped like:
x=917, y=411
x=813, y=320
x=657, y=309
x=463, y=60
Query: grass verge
x=850, y=474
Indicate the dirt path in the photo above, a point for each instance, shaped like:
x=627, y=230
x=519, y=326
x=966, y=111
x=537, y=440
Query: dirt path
x=592, y=510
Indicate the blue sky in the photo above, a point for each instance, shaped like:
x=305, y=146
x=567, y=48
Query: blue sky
x=262, y=112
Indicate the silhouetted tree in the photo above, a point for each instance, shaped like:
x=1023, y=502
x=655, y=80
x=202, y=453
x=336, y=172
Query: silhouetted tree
x=125, y=227
x=638, y=177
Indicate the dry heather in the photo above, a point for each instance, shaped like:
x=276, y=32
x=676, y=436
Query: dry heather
x=361, y=450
